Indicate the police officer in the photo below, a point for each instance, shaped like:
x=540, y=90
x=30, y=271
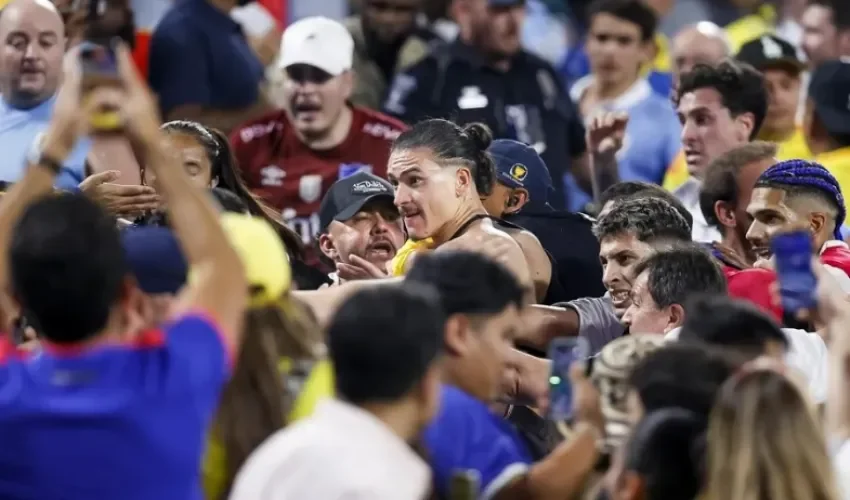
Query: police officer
x=485, y=76
x=521, y=198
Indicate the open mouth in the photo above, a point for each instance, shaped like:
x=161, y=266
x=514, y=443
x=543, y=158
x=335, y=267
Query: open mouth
x=31, y=74
x=410, y=216
x=692, y=156
x=619, y=298
x=381, y=250
x=306, y=107
x=762, y=252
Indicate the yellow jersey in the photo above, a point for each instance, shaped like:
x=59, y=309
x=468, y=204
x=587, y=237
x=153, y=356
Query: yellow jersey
x=794, y=147
x=838, y=164
x=751, y=27
x=661, y=63
x=410, y=247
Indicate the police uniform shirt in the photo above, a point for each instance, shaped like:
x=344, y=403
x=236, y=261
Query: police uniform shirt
x=527, y=103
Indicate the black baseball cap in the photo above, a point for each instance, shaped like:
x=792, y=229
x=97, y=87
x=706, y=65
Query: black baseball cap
x=347, y=196
x=770, y=51
x=829, y=90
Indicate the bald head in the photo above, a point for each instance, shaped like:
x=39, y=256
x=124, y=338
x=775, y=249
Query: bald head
x=701, y=43
x=17, y=8
x=33, y=41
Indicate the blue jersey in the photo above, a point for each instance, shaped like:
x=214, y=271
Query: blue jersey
x=112, y=422
x=652, y=141
x=467, y=436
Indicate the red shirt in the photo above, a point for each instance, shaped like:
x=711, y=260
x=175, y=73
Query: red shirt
x=293, y=178
x=754, y=284
x=836, y=254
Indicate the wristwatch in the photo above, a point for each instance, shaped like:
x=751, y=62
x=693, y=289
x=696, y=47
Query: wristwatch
x=36, y=156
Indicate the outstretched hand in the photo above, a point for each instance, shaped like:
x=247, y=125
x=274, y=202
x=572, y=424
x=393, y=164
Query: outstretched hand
x=119, y=199
x=358, y=268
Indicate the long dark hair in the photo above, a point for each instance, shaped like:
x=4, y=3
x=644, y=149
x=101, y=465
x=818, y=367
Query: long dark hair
x=257, y=400
x=225, y=172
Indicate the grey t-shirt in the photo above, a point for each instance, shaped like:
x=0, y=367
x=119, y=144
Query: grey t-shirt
x=598, y=323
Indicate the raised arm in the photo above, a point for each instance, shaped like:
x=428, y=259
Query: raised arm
x=48, y=156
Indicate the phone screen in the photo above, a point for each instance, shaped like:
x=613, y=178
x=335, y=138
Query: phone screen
x=98, y=59
x=792, y=253
x=563, y=352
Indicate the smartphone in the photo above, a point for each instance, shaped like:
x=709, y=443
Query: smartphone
x=465, y=485
x=98, y=60
x=563, y=352
x=792, y=254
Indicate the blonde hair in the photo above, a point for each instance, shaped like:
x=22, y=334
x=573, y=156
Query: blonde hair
x=765, y=442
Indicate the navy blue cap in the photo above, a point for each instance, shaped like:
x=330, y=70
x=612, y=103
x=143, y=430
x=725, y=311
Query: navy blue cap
x=519, y=166
x=829, y=89
x=155, y=259
x=505, y=3
x=347, y=196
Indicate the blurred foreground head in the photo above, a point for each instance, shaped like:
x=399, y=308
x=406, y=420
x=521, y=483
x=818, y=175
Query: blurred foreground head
x=68, y=268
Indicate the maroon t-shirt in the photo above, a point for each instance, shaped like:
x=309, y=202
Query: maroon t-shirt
x=293, y=178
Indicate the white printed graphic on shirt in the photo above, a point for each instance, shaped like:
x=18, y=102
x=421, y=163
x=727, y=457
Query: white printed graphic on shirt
x=310, y=187
x=272, y=175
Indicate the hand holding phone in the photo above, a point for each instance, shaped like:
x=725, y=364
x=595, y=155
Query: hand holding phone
x=792, y=252
x=563, y=352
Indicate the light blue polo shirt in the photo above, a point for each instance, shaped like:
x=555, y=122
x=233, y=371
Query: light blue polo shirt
x=652, y=141
x=19, y=129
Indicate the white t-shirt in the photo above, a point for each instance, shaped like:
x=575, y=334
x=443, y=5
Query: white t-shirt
x=807, y=354
x=341, y=452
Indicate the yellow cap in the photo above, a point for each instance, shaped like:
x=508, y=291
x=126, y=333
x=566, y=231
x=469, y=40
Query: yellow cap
x=263, y=256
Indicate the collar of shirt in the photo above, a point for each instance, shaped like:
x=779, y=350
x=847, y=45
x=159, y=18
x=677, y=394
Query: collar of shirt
x=673, y=334
x=635, y=94
x=369, y=429
x=832, y=244
x=41, y=110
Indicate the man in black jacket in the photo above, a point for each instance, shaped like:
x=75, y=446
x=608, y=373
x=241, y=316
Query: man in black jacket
x=521, y=197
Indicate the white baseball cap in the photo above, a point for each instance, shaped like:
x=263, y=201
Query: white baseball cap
x=317, y=41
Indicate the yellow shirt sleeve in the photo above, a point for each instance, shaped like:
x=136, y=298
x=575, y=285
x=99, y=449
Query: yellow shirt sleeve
x=410, y=247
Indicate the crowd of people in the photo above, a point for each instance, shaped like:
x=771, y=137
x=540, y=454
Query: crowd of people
x=332, y=263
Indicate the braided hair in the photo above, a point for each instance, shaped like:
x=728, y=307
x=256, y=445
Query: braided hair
x=809, y=176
